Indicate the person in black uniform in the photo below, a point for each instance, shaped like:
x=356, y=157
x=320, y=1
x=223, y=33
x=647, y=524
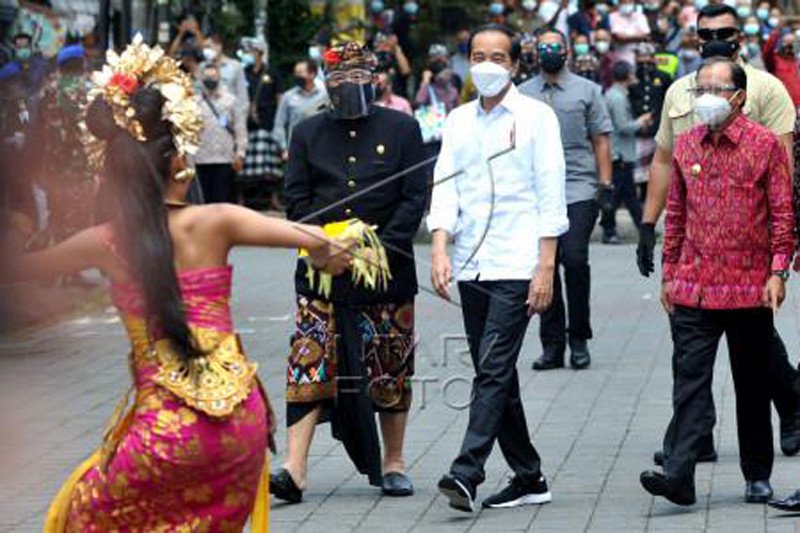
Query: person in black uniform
x=262, y=164
x=356, y=160
x=647, y=96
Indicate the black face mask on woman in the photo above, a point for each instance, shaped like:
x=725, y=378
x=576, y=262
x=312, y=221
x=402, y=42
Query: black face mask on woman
x=351, y=100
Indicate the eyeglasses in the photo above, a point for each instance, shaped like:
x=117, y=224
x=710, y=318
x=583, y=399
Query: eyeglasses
x=550, y=47
x=716, y=90
x=353, y=76
x=720, y=34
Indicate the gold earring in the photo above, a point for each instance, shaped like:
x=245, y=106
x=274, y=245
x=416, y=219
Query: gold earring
x=187, y=174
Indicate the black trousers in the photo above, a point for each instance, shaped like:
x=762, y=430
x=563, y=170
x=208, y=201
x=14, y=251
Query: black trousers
x=624, y=192
x=696, y=334
x=573, y=255
x=216, y=181
x=783, y=383
x=495, y=320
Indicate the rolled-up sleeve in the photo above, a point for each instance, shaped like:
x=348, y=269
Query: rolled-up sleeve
x=444, y=199
x=550, y=176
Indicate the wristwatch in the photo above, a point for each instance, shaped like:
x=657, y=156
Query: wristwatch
x=783, y=274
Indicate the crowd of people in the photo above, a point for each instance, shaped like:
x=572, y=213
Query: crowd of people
x=691, y=108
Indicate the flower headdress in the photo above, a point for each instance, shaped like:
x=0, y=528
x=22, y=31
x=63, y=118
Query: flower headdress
x=137, y=67
x=349, y=55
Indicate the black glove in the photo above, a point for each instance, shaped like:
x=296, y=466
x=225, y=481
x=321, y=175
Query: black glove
x=644, y=252
x=605, y=197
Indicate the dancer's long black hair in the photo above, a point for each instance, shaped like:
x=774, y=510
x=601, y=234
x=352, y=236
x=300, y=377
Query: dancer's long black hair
x=136, y=174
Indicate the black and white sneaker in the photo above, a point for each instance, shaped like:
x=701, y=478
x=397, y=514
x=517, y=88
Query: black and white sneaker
x=460, y=493
x=519, y=493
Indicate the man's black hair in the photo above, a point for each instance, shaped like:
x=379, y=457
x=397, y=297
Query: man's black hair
x=545, y=30
x=713, y=11
x=621, y=71
x=502, y=28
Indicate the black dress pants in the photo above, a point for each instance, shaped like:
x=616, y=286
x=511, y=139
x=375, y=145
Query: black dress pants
x=624, y=192
x=696, y=334
x=783, y=383
x=216, y=181
x=573, y=255
x=495, y=320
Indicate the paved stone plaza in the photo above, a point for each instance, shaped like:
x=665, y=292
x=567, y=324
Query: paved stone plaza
x=596, y=429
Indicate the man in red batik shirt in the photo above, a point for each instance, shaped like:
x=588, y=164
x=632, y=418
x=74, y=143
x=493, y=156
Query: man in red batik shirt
x=729, y=240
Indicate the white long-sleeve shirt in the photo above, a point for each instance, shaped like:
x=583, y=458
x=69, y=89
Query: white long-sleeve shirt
x=529, y=200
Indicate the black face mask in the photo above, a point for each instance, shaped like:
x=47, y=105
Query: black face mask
x=351, y=100
x=552, y=62
x=719, y=49
x=528, y=58
x=436, y=67
x=300, y=81
x=210, y=84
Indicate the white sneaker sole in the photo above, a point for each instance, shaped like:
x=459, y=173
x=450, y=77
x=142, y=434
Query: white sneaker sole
x=528, y=499
x=458, y=500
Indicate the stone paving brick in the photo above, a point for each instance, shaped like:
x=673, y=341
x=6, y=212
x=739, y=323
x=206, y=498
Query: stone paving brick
x=596, y=430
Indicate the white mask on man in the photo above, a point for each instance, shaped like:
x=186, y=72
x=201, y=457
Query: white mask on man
x=489, y=78
x=712, y=109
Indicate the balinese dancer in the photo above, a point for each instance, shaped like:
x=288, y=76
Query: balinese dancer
x=189, y=453
x=352, y=352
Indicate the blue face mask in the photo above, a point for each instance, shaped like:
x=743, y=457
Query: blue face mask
x=23, y=54
x=700, y=4
x=410, y=8
x=762, y=13
x=248, y=60
x=463, y=48
x=377, y=6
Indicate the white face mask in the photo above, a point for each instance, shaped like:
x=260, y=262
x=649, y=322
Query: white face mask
x=601, y=47
x=626, y=9
x=209, y=54
x=489, y=78
x=712, y=109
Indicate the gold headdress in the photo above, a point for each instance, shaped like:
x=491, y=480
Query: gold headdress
x=141, y=66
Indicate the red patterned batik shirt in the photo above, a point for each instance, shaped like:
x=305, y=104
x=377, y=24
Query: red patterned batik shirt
x=730, y=220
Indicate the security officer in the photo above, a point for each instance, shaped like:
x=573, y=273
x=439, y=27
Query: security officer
x=647, y=96
x=585, y=129
x=355, y=160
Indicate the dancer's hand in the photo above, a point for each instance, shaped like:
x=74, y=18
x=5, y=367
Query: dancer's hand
x=341, y=257
x=540, y=291
x=774, y=293
x=666, y=302
x=441, y=274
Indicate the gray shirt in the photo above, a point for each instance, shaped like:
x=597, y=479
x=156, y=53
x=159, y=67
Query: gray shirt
x=296, y=105
x=582, y=114
x=623, y=139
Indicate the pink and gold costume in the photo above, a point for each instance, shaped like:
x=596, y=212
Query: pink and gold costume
x=190, y=452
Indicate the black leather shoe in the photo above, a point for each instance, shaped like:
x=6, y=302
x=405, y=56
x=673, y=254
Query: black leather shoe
x=790, y=504
x=553, y=357
x=579, y=357
x=790, y=435
x=397, y=484
x=757, y=492
x=704, y=457
x=658, y=484
x=283, y=487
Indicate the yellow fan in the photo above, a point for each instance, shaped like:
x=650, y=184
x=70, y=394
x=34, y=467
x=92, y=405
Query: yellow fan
x=370, y=266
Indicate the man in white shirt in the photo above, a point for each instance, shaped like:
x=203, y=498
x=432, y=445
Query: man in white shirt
x=499, y=190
